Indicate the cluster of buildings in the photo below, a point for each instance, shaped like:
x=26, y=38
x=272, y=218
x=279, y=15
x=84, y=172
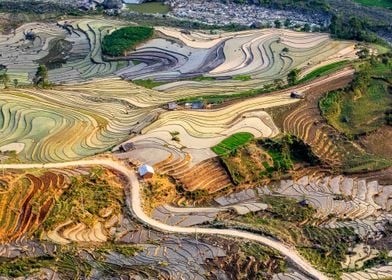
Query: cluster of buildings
x=219, y=13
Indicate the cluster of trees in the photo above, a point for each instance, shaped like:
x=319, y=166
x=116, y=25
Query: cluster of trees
x=353, y=29
x=362, y=79
x=41, y=76
x=293, y=76
x=125, y=39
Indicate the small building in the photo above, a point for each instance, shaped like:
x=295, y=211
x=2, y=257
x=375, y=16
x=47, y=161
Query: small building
x=298, y=95
x=172, y=106
x=128, y=146
x=146, y=171
x=197, y=105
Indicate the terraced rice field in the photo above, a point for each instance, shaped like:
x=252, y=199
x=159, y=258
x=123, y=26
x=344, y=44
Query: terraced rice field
x=207, y=175
x=204, y=129
x=347, y=198
x=26, y=202
x=68, y=122
x=82, y=62
x=264, y=55
x=305, y=122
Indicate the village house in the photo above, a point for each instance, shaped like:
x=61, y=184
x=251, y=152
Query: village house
x=146, y=171
x=298, y=95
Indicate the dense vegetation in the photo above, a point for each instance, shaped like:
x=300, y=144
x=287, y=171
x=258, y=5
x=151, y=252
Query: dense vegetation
x=376, y=3
x=365, y=106
x=41, y=76
x=125, y=39
x=266, y=158
x=288, y=150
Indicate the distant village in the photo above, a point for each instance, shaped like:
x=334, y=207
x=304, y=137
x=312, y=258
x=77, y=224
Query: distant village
x=216, y=12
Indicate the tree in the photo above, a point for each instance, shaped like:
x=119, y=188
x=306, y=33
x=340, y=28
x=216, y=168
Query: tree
x=306, y=27
x=112, y=4
x=287, y=23
x=292, y=77
x=41, y=76
x=16, y=82
x=362, y=79
x=5, y=79
x=277, y=23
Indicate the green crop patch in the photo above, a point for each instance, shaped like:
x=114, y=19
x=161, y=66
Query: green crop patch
x=324, y=70
x=148, y=83
x=232, y=143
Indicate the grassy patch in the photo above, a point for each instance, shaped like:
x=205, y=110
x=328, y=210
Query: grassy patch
x=126, y=250
x=125, y=39
x=263, y=159
x=269, y=259
x=362, y=108
x=355, y=116
x=149, y=8
x=324, y=70
x=148, y=83
x=288, y=209
x=376, y=3
x=68, y=266
x=217, y=99
x=242, y=78
x=84, y=198
x=232, y=143
x=202, y=78
x=23, y=266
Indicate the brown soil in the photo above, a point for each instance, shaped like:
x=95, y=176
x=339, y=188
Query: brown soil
x=379, y=142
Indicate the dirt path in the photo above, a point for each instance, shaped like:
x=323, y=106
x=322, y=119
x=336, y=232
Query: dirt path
x=135, y=205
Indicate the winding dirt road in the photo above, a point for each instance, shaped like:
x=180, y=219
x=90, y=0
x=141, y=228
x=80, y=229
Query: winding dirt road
x=134, y=203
